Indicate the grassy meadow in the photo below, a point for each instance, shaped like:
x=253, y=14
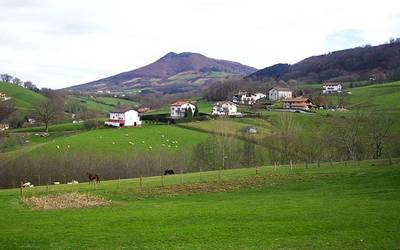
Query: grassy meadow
x=120, y=142
x=331, y=207
x=24, y=99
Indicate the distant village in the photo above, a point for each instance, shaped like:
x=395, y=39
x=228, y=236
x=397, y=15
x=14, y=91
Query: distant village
x=180, y=109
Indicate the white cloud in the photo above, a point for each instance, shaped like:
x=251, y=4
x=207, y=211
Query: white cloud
x=65, y=42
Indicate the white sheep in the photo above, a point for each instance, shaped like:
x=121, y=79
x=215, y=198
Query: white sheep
x=58, y=147
x=27, y=184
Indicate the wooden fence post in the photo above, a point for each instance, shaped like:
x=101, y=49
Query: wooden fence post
x=21, y=191
x=256, y=170
x=119, y=182
x=181, y=176
x=162, y=180
x=141, y=183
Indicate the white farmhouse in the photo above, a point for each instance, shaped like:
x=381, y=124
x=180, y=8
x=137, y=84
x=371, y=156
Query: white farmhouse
x=247, y=97
x=279, y=93
x=225, y=109
x=330, y=88
x=124, y=118
x=4, y=126
x=178, y=108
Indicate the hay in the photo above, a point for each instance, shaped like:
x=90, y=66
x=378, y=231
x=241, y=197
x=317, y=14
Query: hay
x=62, y=201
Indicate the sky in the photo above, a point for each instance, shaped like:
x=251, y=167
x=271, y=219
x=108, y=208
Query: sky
x=60, y=43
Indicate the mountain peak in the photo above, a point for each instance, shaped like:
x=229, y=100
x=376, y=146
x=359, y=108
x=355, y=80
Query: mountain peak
x=172, y=64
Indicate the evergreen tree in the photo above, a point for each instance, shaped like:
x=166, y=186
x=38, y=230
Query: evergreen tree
x=196, y=111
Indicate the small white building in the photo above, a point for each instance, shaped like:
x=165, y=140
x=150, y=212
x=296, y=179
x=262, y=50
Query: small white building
x=247, y=97
x=4, y=126
x=178, y=108
x=124, y=118
x=278, y=93
x=225, y=109
x=332, y=87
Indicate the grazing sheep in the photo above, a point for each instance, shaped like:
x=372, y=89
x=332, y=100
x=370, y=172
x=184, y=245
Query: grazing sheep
x=163, y=145
x=143, y=142
x=26, y=185
x=113, y=143
x=56, y=183
x=68, y=146
x=58, y=147
x=150, y=147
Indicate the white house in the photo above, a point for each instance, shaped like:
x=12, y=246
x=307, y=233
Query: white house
x=278, y=93
x=4, y=126
x=247, y=97
x=178, y=108
x=330, y=88
x=225, y=108
x=123, y=118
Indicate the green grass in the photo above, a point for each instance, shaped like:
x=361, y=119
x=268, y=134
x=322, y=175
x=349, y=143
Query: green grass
x=353, y=207
x=116, y=142
x=231, y=126
x=24, y=99
x=100, y=104
x=376, y=97
x=117, y=101
x=203, y=105
x=52, y=128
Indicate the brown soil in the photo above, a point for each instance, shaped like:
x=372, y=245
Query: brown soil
x=67, y=200
x=217, y=186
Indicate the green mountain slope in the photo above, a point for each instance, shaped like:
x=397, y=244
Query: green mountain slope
x=23, y=98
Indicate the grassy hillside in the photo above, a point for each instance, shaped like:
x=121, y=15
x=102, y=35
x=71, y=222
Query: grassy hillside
x=352, y=207
x=376, y=97
x=23, y=98
x=100, y=104
x=231, y=126
x=121, y=142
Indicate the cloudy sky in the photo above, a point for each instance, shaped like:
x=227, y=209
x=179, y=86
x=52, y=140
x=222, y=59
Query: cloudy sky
x=58, y=43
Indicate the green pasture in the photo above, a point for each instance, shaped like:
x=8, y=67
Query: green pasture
x=120, y=142
x=23, y=98
x=332, y=207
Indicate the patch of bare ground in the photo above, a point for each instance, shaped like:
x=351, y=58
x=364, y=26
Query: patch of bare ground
x=66, y=200
x=268, y=180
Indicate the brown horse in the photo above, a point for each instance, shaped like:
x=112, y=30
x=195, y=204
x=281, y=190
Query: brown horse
x=93, y=177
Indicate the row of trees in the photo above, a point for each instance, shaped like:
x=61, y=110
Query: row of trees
x=17, y=81
x=348, y=138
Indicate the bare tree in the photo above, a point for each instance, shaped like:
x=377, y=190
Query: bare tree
x=379, y=126
x=17, y=81
x=6, y=78
x=46, y=112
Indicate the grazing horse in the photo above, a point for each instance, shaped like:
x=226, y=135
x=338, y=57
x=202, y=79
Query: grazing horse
x=93, y=177
x=169, y=171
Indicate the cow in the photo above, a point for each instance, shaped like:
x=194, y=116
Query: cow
x=169, y=171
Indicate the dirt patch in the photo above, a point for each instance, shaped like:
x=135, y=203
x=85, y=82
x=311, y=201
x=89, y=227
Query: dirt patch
x=268, y=180
x=67, y=200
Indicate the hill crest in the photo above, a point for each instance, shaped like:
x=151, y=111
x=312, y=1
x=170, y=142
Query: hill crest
x=196, y=68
